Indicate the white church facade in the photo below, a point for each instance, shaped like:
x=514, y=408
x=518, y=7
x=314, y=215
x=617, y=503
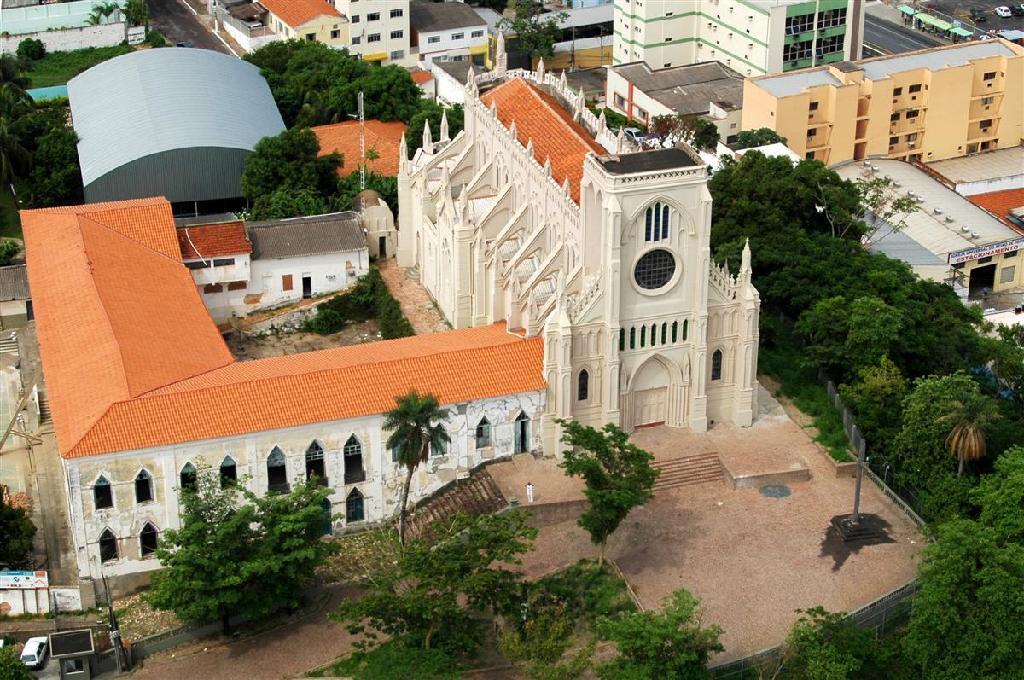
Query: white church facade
x=531, y=216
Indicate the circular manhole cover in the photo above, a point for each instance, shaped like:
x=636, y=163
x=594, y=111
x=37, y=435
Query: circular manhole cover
x=775, y=490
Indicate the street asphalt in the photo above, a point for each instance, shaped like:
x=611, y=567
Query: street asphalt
x=885, y=37
x=178, y=24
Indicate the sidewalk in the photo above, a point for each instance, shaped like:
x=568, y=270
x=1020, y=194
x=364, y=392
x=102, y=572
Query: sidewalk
x=413, y=298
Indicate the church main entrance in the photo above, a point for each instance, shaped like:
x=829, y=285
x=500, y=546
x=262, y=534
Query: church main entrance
x=649, y=406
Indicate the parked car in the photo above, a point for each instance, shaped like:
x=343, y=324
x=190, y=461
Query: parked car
x=635, y=134
x=183, y=43
x=977, y=16
x=34, y=653
x=1017, y=10
x=1003, y=11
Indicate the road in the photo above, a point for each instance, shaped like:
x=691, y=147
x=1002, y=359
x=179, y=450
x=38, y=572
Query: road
x=885, y=37
x=178, y=24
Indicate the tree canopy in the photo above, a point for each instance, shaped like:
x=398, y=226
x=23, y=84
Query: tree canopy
x=536, y=35
x=16, y=534
x=617, y=473
x=432, y=112
x=11, y=666
x=237, y=553
x=747, y=139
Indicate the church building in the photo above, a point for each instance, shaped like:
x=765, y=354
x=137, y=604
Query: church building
x=538, y=215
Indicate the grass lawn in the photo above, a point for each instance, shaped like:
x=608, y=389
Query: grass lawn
x=57, y=68
x=784, y=360
x=10, y=223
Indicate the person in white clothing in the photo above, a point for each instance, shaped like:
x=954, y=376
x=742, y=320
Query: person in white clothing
x=529, y=492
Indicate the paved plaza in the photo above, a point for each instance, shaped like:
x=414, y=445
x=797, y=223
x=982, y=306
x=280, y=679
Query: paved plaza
x=752, y=560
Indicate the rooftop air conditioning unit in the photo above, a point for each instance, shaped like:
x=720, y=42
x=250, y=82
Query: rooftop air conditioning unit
x=974, y=234
x=949, y=220
x=875, y=168
x=911, y=195
x=896, y=184
x=964, y=228
x=937, y=211
x=867, y=164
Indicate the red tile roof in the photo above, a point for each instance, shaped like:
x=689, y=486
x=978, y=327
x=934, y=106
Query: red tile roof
x=419, y=76
x=132, y=359
x=343, y=138
x=297, y=12
x=538, y=116
x=1000, y=203
x=203, y=241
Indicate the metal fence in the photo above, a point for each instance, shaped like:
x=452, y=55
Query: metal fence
x=881, y=616
x=853, y=433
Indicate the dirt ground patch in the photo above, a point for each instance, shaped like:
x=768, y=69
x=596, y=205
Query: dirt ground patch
x=246, y=346
x=752, y=560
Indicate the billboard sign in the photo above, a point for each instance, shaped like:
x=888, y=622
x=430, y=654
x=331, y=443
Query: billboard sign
x=23, y=580
x=968, y=254
x=136, y=35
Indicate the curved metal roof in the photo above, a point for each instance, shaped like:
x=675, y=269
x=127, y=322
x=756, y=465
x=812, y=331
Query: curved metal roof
x=157, y=100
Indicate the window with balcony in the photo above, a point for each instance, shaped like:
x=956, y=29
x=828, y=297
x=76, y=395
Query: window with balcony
x=353, y=454
x=315, y=464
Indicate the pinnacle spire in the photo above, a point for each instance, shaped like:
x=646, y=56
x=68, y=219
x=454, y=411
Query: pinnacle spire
x=428, y=142
x=444, y=126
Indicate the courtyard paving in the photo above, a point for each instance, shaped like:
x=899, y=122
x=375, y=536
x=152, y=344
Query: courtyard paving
x=413, y=298
x=751, y=560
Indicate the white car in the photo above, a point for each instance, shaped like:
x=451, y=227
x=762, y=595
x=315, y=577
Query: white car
x=34, y=653
x=1003, y=12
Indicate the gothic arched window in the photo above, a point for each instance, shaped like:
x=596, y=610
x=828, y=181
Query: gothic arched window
x=228, y=472
x=656, y=223
x=483, y=433
x=148, y=539
x=188, y=477
x=102, y=493
x=277, y=471
x=108, y=546
x=143, y=487
x=716, y=365
x=583, y=385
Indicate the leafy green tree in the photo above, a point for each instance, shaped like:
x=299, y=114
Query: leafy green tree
x=845, y=337
x=56, y=176
x=877, y=398
x=1006, y=350
x=431, y=112
x=668, y=643
x=16, y=534
x=617, y=473
x=747, y=139
x=136, y=12
x=828, y=646
x=694, y=130
x=387, y=187
x=415, y=427
x=11, y=667
x=8, y=249
x=314, y=84
x=969, y=417
x=239, y=554
x=284, y=202
x=14, y=157
x=102, y=11
x=289, y=161
x=431, y=597
x=13, y=80
x=537, y=36
x=1000, y=496
x=31, y=49
x=968, y=617
x=920, y=454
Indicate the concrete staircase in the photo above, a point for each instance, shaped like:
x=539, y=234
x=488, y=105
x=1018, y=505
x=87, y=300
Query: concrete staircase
x=477, y=495
x=702, y=468
x=9, y=345
x=44, y=408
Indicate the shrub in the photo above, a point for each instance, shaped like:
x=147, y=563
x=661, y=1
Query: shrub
x=155, y=39
x=8, y=249
x=325, y=322
x=31, y=49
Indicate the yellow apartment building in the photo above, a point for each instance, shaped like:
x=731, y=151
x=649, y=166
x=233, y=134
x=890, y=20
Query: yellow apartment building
x=922, y=106
x=313, y=20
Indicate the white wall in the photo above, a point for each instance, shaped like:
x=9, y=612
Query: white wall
x=250, y=43
x=446, y=47
x=381, y=488
x=69, y=39
x=384, y=26
x=329, y=273
x=448, y=89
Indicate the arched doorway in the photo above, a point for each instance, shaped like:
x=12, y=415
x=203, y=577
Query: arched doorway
x=650, y=393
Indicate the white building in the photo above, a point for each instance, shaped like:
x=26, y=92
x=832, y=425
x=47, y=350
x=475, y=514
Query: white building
x=447, y=31
x=240, y=268
x=143, y=392
x=526, y=217
x=378, y=29
x=753, y=38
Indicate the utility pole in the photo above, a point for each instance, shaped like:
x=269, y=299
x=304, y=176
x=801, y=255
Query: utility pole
x=362, y=144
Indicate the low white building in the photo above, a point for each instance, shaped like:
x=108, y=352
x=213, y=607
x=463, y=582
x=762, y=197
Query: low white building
x=448, y=31
x=240, y=268
x=378, y=224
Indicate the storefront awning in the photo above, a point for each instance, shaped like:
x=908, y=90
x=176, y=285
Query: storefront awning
x=908, y=10
x=962, y=32
x=934, y=21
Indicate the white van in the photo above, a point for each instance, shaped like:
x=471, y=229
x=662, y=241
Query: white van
x=34, y=653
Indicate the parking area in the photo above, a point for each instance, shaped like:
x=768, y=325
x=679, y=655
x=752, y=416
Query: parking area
x=987, y=21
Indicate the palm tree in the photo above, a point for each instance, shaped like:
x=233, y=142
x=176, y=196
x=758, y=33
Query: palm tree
x=13, y=81
x=103, y=11
x=415, y=426
x=13, y=156
x=966, y=440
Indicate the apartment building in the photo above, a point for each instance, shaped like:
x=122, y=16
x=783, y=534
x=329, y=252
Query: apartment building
x=378, y=29
x=753, y=37
x=882, y=107
x=313, y=20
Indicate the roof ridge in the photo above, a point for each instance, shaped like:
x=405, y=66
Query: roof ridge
x=571, y=125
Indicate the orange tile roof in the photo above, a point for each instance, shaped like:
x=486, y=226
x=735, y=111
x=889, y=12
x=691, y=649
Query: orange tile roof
x=203, y=241
x=1000, y=203
x=132, y=359
x=297, y=12
x=343, y=138
x=538, y=116
x=419, y=76
x=116, y=314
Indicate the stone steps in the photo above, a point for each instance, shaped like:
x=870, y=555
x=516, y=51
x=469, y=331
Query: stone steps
x=478, y=495
x=678, y=472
